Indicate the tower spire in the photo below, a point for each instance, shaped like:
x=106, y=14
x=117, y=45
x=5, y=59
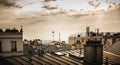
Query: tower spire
x=53, y=35
x=21, y=30
x=59, y=37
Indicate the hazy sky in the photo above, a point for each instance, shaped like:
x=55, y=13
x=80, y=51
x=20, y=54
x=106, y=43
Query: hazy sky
x=40, y=17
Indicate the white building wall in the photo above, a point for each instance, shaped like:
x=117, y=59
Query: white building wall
x=73, y=40
x=6, y=39
x=19, y=45
x=6, y=44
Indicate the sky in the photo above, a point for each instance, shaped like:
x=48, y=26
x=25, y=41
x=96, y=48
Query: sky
x=40, y=17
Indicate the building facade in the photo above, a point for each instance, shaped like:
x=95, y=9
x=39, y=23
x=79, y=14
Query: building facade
x=11, y=40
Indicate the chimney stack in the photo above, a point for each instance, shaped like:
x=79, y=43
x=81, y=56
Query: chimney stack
x=97, y=31
x=88, y=31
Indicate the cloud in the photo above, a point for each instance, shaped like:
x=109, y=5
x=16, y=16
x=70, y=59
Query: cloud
x=95, y=4
x=5, y=14
x=10, y=3
x=115, y=8
x=76, y=15
x=49, y=7
x=30, y=19
x=46, y=5
x=48, y=0
x=36, y=21
x=109, y=6
x=7, y=2
x=61, y=12
x=21, y=18
x=114, y=3
x=108, y=1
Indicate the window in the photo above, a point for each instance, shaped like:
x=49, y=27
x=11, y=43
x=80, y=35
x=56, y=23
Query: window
x=0, y=46
x=13, y=46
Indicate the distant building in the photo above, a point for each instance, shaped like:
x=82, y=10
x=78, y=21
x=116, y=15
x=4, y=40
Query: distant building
x=108, y=38
x=32, y=42
x=73, y=41
x=11, y=40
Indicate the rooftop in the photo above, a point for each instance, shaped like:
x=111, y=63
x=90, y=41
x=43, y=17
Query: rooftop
x=9, y=31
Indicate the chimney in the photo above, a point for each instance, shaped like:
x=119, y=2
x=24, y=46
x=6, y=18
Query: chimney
x=97, y=31
x=88, y=31
x=93, y=53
